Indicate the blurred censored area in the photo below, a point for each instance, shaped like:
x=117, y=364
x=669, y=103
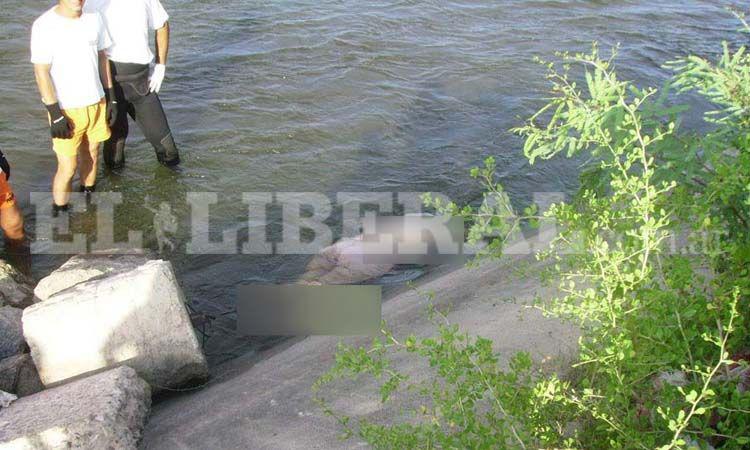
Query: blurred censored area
x=413, y=239
x=296, y=310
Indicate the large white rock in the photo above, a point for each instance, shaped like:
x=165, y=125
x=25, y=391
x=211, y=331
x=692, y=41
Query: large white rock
x=135, y=317
x=82, y=268
x=103, y=411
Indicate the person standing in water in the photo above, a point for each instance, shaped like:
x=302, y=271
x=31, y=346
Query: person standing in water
x=71, y=69
x=11, y=219
x=129, y=23
x=17, y=250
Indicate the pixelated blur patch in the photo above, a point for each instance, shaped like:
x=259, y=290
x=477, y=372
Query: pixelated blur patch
x=413, y=239
x=296, y=309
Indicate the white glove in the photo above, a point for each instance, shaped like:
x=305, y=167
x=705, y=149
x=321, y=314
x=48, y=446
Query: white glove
x=156, y=78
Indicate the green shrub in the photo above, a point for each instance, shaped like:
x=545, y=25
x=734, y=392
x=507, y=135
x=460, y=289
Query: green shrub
x=646, y=313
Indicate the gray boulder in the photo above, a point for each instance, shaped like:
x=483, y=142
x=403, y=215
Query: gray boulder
x=103, y=411
x=6, y=399
x=11, y=333
x=133, y=316
x=82, y=268
x=15, y=287
x=18, y=375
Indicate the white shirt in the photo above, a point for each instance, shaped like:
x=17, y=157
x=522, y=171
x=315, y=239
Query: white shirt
x=71, y=47
x=129, y=22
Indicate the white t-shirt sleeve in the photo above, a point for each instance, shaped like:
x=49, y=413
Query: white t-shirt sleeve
x=41, y=50
x=104, y=41
x=157, y=15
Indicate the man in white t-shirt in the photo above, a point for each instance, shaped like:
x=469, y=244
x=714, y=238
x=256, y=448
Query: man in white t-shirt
x=136, y=86
x=71, y=69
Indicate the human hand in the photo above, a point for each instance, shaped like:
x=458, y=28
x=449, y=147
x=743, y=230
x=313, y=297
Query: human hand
x=157, y=77
x=59, y=126
x=112, y=107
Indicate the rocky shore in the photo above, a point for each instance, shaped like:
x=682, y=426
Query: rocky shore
x=82, y=353
x=267, y=403
x=85, y=350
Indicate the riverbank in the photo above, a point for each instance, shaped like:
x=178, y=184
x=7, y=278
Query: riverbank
x=331, y=97
x=265, y=401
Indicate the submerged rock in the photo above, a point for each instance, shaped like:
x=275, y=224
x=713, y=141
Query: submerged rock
x=134, y=315
x=103, y=411
x=11, y=332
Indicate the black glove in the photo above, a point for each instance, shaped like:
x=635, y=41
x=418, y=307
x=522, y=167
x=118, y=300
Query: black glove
x=4, y=165
x=111, y=106
x=59, y=126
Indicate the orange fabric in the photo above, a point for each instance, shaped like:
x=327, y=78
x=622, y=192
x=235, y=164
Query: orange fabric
x=7, y=198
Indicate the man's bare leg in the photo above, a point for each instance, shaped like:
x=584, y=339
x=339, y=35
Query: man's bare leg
x=88, y=163
x=61, y=184
x=11, y=221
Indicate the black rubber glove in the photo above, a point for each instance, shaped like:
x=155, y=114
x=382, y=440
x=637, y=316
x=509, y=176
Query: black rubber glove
x=111, y=106
x=59, y=126
x=4, y=165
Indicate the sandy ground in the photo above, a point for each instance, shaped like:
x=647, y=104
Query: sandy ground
x=267, y=404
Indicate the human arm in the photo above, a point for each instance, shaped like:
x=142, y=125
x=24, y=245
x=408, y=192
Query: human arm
x=44, y=83
x=105, y=75
x=105, y=72
x=60, y=128
x=162, y=50
x=161, y=39
x=104, y=41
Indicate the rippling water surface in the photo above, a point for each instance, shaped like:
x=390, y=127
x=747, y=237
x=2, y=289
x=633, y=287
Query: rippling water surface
x=342, y=95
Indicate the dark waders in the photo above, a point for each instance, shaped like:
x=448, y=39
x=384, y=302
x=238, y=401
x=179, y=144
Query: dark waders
x=135, y=99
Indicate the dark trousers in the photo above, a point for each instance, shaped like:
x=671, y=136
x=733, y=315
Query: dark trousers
x=135, y=99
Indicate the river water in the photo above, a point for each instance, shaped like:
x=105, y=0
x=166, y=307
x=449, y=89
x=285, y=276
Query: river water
x=339, y=96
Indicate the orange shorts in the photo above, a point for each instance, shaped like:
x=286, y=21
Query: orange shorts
x=89, y=124
x=7, y=198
